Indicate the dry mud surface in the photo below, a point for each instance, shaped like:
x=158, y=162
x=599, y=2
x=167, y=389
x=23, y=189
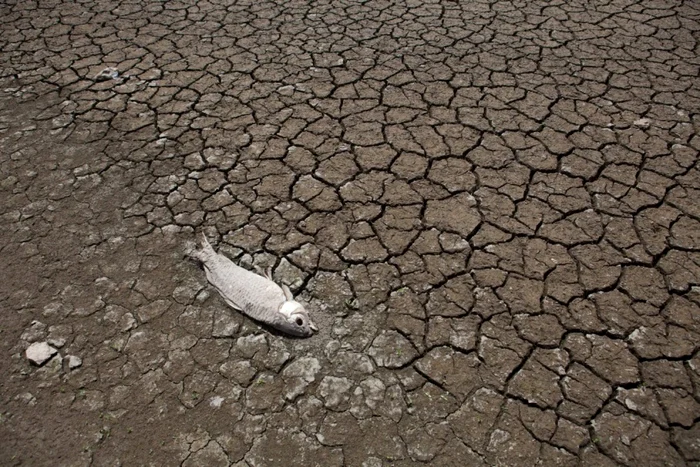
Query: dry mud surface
x=492, y=207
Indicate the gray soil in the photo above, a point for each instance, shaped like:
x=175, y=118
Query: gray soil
x=492, y=209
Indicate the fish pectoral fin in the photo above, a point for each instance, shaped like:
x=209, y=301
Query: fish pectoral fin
x=287, y=293
x=266, y=273
x=233, y=305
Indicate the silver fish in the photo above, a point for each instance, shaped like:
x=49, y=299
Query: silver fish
x=256, y=296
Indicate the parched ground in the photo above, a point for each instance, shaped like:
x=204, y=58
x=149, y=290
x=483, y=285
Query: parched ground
x=491, y=207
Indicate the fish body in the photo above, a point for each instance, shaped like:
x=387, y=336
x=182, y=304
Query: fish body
x=256, y=296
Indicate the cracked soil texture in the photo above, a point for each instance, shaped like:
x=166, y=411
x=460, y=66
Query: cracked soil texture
x=491, y=207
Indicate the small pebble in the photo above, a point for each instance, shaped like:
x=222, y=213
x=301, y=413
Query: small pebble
x=74, y=362
x=216, y=401
x=40, y=352
x=642, y=123
x=107, y=74
x=57, y=342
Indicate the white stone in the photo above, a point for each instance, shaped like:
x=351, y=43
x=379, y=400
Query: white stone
x=57, y=342
x=107, y=74
x=642, y=122
x=74, y=361
x=216, y=401
x=40, y=352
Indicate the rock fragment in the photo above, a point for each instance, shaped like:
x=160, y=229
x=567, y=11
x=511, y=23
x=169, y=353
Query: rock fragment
x=39, y=353
x=74, y=362
x=107, y=74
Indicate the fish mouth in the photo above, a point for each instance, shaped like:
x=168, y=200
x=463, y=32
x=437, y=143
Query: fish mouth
x=313, y=327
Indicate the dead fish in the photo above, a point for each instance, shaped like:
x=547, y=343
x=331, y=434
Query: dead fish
x=256, y=296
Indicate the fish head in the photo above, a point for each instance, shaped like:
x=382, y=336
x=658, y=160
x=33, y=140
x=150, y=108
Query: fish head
x=297, y=321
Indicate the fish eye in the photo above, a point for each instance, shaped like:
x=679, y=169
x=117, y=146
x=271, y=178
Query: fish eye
x=299, y=322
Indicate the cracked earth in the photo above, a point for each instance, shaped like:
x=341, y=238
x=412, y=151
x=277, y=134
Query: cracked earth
x=490, y=207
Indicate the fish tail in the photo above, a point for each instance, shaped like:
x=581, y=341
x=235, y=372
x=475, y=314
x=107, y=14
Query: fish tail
x=204, y=252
